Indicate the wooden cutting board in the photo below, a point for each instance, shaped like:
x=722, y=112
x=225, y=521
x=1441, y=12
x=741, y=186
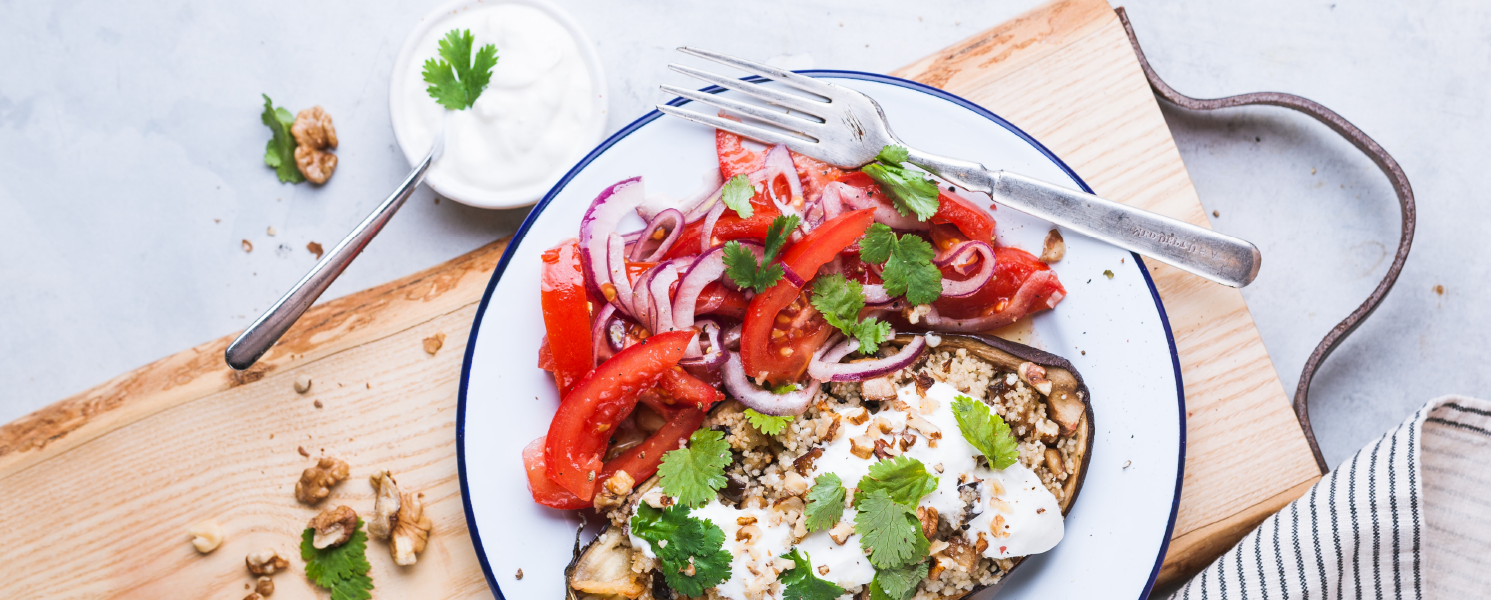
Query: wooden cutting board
x=99, y=489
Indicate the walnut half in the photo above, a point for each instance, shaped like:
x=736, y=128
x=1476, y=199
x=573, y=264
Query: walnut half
x=385, y=515
x=315, y=483
x=333, y=527
x=411, y=531
x=314, y=134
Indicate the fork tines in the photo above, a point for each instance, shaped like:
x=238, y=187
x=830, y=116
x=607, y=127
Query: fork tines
x=805, y=127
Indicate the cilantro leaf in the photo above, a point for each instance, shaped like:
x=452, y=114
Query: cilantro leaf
x=280, y=153
x=825, y=503
x=897, y=583
x=692, y=475
x=986, y=431
x=909, y=189
x=737, y=195
x=802, y=583
x=889, y=530
x=786, y=388
x=458, y=78
x=342, y=569
x=741, y=264
x=840, y=301
x=903, y=478
x=908, y=263
x=693, y=546
x=767, y=424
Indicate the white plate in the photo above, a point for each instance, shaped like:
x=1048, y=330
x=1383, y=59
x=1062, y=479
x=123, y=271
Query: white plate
x=1118, y=530
x=405, y=68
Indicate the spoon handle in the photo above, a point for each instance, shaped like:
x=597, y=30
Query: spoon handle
x=267, y=329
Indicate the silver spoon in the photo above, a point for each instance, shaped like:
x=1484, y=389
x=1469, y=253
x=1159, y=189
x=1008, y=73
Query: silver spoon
x=267, y=329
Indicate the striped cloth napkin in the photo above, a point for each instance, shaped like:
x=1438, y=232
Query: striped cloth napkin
x=1408, y=517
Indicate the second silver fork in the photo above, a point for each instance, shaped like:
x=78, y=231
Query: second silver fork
x=847, y=128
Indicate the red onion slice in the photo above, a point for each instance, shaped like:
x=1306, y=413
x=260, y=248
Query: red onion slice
x=706, y=235
x=829, y=369
x=600, y=220
x=791, y=276
x=600, y=346
x=765, y=402
x=838, y=196
x=706, y=269
x=779, y=164
x=711, y=358
x=960, y=254
x=710, y=185
x=648, y=249
x=617, y=277
x=661, y=309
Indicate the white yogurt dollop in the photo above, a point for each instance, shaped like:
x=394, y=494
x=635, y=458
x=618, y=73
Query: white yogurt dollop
x=536, y=117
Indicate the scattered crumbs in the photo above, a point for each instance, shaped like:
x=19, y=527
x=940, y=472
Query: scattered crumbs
x=369, y=384
x=1439, y=289
x=437, y=199
x=248, y=246
x=269, y=231
x=318, y=404
x=217, y=220
x=1127, y=463
x=520, y=574
x=1216, y=213
x=315, y=249
x=1257, y=139
x=1108, y=273
x=1312, y=170
x=841, y=24
x=1089, y=281
x=434, y=343
x=303, y=451
x=1084, y=353
x=271, y=436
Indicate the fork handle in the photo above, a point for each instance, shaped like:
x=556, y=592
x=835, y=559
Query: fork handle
x=1221, y=258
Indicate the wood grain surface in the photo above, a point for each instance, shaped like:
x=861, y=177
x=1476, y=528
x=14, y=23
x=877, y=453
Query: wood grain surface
x=101, y=488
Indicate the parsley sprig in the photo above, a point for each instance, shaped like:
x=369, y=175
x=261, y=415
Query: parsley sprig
x=741, y=264
x=903, y=478
x=280, y=153
x=342, y=569
x=840, y=301
x=909, y=189
x=456, y=79
x=825, y=503
x=767, y=424
x=693, y=474
x=693, y=557
x=889, y=530
x=908, y=264
x=802, y=583
x=737, y=195
x=986, y=431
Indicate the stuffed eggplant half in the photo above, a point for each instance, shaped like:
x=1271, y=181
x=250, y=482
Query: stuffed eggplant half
x=931, y=482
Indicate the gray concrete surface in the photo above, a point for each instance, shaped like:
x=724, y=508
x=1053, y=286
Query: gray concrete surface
x=130, y=166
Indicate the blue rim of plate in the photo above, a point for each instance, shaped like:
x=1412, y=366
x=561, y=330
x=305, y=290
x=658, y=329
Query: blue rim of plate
x=486, y=298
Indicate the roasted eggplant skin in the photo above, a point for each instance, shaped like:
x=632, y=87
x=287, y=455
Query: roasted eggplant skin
x=1070, y=404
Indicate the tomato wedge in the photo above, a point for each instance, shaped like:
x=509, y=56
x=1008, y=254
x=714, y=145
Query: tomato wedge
x=641, y=461
x=687, y=390
x=588, y=416
x=716, y=299
x=969, y=218
x=814, y=174
x=544, y=490
x=782, y=358
x=1012, y=266
x=735, y=159
x=570, y=354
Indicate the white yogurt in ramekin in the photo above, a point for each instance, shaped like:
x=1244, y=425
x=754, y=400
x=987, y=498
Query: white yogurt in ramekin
x=543, y=110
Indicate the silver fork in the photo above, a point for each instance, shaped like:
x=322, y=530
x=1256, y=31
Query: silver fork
x=849, y=129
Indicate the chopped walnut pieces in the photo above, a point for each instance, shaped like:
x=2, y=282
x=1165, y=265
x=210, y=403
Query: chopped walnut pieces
x=315, y=482
x=861, y=447
x=206, y=536
x=264, y=586
x=248, y=246
x=385, y=505
x=1034, y=376
x=841, y=531
x=879, y=388
x=411, y=532
x=614, y=491
x=253, y=596
x=928, y=517
x=315, y=248
x=265, y=562
x=1055, y=248
x=333, y=527
x=314, y=134
x=434, y=343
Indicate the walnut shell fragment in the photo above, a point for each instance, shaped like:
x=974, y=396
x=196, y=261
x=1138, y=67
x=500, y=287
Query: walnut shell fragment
x=266, y=562
x=333, y=527
x=314, y=135
x=206, y=536
x=316, y=482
